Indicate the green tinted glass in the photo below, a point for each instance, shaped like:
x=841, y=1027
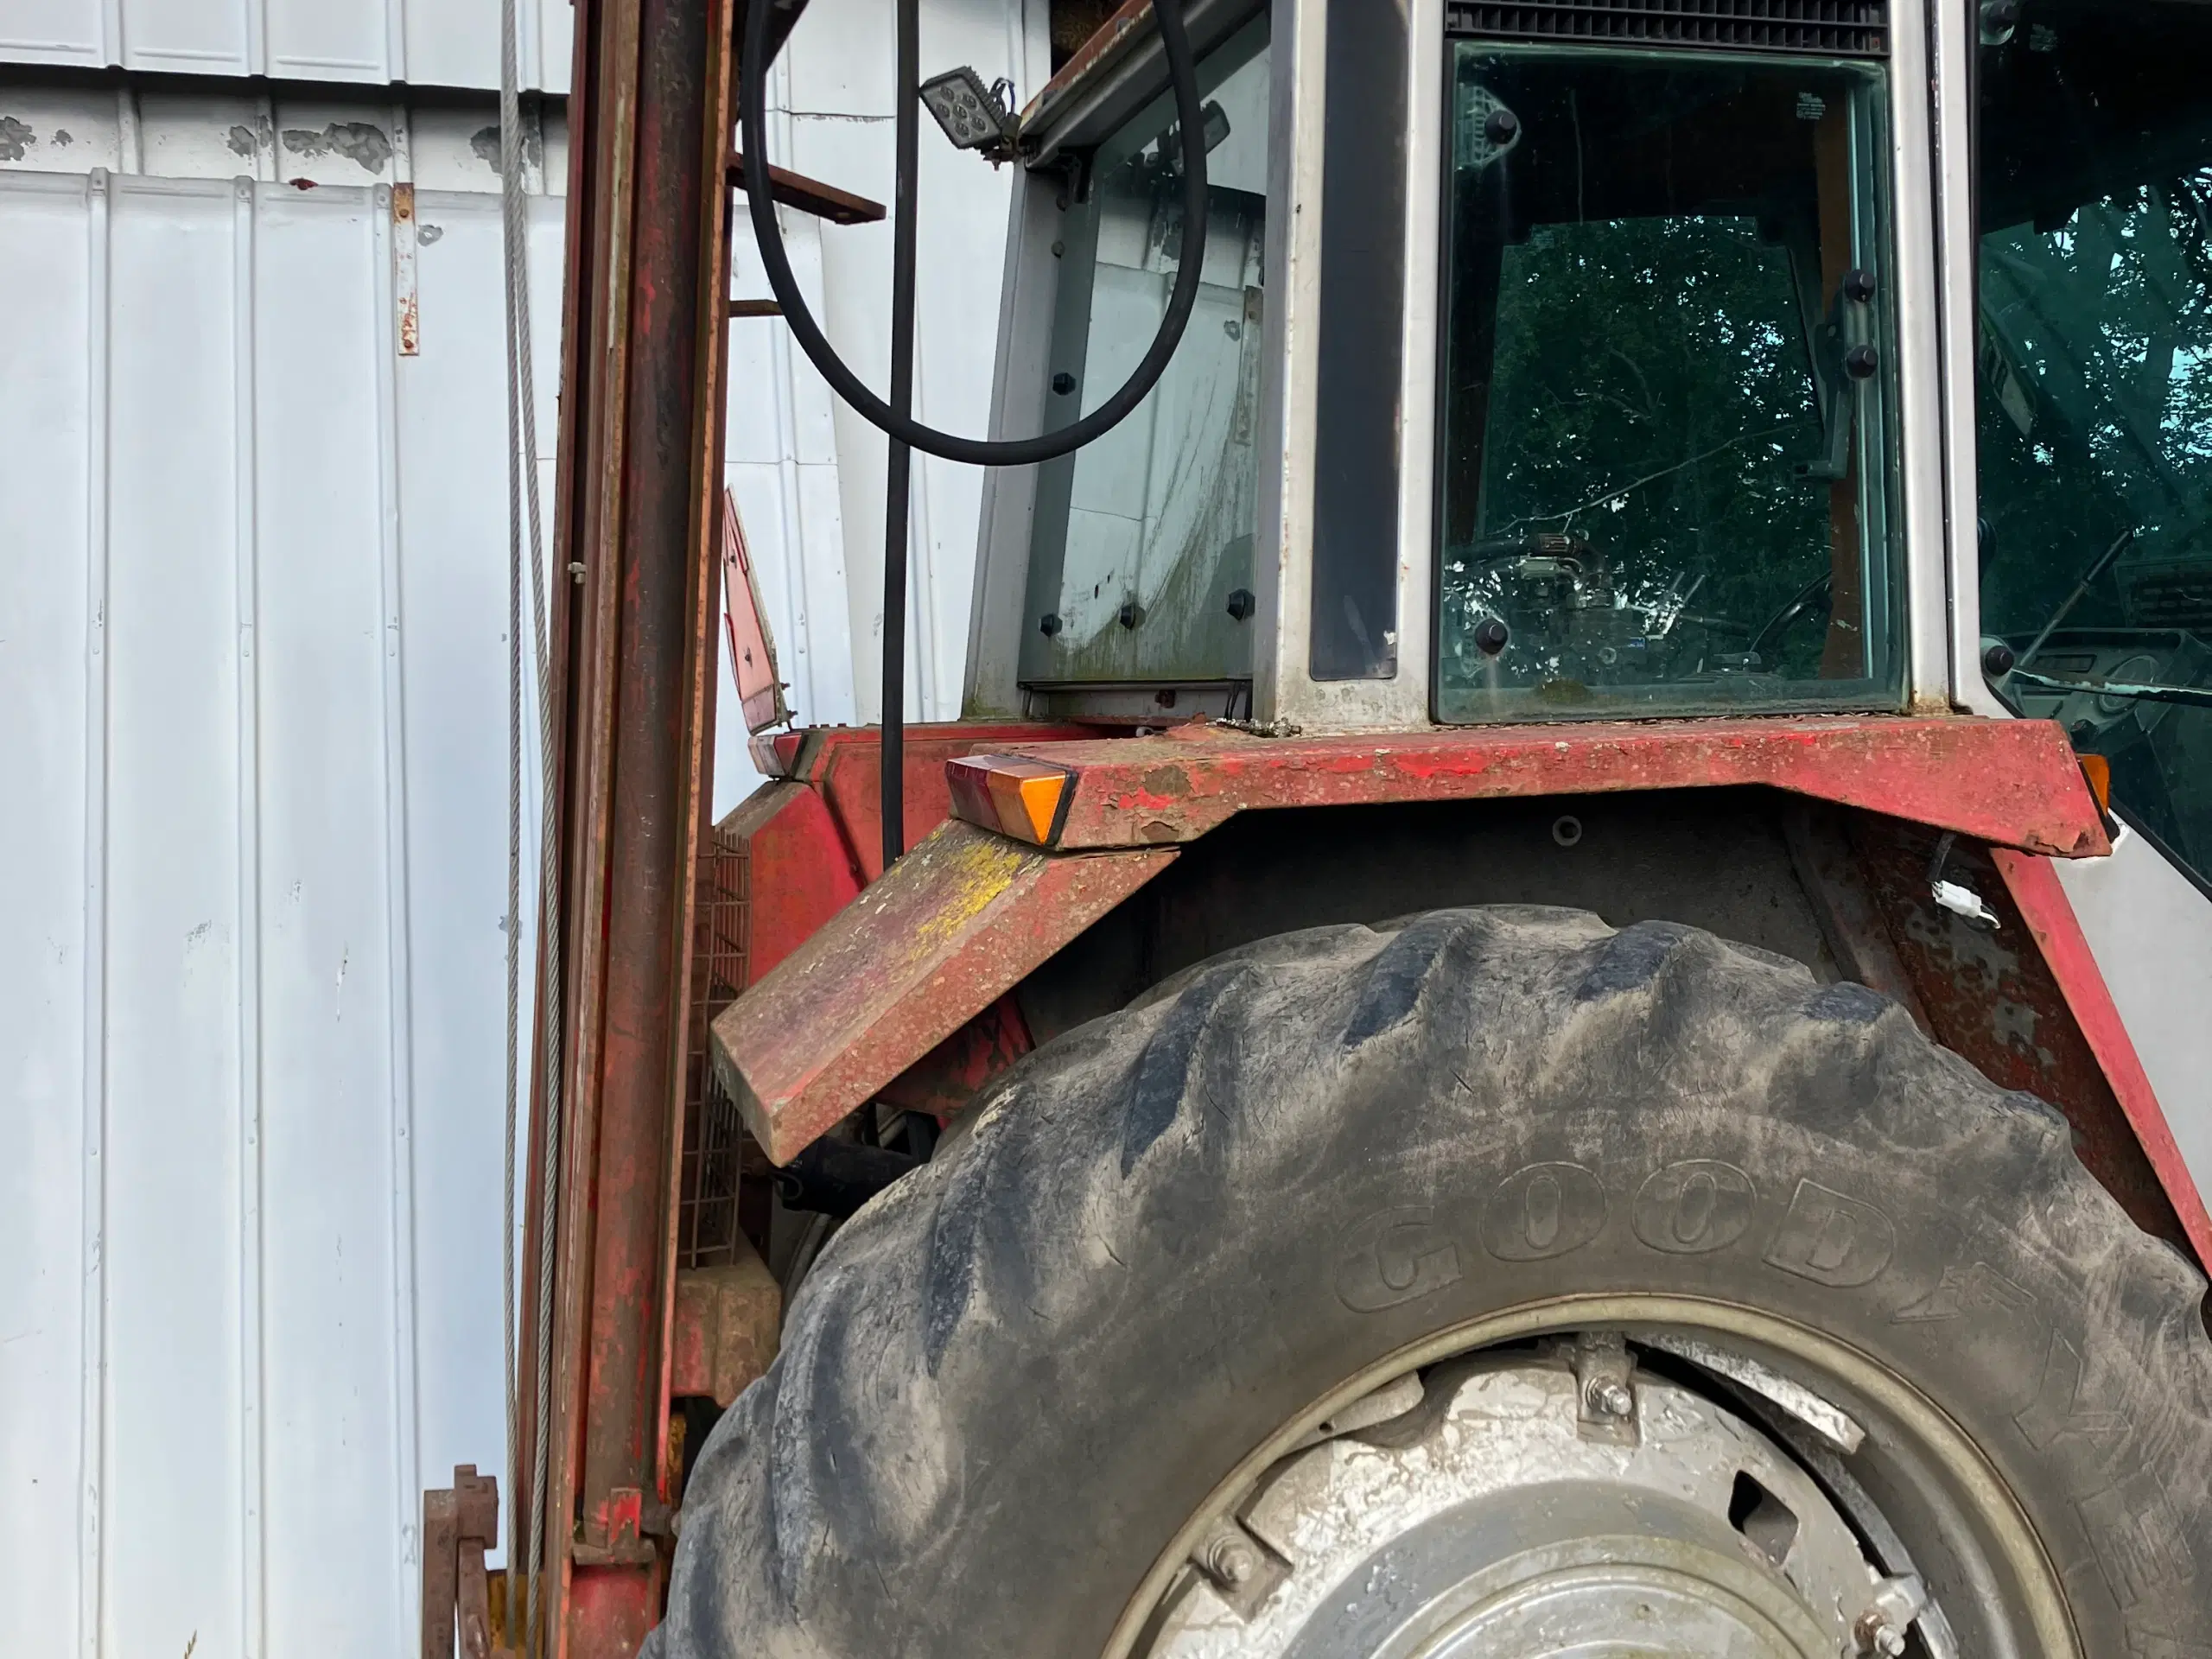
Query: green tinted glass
x=2095, y=394
x=1666, y=449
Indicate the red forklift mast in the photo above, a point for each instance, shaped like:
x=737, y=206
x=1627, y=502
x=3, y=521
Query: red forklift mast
x=633, y=653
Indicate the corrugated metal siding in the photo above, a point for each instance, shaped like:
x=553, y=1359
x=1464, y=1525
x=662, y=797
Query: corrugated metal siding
x=251, y=1000
x=253, y=606
x=427, y=42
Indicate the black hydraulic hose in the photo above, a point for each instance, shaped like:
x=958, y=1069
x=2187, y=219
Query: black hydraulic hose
x=896, y=417
x=899, y=468
x=1183, y=78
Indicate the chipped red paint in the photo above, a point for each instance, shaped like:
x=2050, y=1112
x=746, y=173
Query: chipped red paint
x=2013, y=782
x=953, y=927
x=812, y=836
x=801, y=872
x=841, y=761
x=632, y=699
x=2050, y=918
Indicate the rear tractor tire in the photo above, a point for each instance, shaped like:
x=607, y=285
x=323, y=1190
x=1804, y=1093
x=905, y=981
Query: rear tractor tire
x=1497, y=1283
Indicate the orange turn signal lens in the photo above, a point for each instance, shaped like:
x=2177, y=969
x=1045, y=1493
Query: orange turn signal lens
x=1012, y=794
x=2096, y=772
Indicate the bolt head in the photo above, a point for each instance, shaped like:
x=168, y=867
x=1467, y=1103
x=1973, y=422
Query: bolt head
x=1611, y=1399
x=1233, y=1561
x=1877, y=1634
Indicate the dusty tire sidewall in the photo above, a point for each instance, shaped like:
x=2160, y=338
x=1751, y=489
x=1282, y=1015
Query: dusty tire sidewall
x=1134, y=1313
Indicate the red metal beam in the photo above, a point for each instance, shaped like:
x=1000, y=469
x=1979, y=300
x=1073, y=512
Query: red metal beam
x=953, y=926
x=638, y=478
x=2012, y=782
x=2050, y=918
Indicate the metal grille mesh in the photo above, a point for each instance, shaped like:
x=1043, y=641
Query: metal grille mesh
x=713, y=1137
x=1842, y=28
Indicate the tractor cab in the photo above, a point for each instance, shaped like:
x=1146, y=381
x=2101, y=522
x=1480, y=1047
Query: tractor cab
x=1567, y=362
x=1569, y=388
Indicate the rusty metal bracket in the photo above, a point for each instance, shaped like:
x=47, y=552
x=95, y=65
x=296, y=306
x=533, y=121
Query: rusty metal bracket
x=796, y=190
x=459, y=1522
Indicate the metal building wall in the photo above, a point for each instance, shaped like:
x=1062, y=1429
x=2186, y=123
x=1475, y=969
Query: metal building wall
x=252, y=882
x=253, y=1003
x=427, y=42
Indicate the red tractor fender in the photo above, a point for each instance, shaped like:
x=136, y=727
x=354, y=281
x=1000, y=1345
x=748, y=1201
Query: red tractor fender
x=1044, y=837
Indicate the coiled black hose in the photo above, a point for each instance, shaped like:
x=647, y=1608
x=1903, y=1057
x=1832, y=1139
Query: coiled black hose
x=895, y=418
x=1183, y=79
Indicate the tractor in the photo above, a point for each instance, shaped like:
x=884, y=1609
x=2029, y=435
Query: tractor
x=1556, y=995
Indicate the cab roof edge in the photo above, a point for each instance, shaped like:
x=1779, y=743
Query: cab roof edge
x=1111, y=74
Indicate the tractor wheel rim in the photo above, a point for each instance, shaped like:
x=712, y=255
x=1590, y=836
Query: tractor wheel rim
x=1511, y=1543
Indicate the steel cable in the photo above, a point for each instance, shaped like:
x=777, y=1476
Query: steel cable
x=526, y=537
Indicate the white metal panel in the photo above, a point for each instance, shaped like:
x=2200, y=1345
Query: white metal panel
x=451, y=462
x=329, y=911
x=255, y=616
x=51, y=896
x=2150, y=928
x=179, y=1427
x=426, y=43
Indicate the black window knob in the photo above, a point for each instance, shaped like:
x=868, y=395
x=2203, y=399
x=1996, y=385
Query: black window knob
x=1492, y=636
